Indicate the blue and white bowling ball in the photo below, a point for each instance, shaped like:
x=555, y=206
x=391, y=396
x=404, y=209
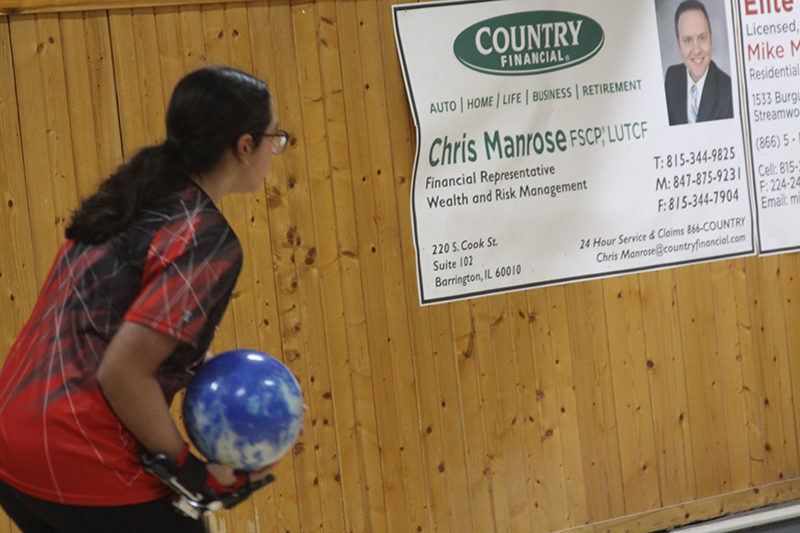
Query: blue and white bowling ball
x=243, y=408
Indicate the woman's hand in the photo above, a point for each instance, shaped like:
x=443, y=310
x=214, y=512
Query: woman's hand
x=226, y=475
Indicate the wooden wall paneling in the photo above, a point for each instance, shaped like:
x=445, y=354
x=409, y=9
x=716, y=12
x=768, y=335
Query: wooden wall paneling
x=37, y=138
x=339, y=256
x=85, y=146
x=277, y=507
x=562, y=468
x=724, y=279
x=375, y=203
x=14, y=7
x=10, y=166
x=402, y=158
x=761, y=345
x=371, y=241
x=192, y=40
x=18, y=287
x=138, y=76
x=430, y=421
x=568, y=410
x=698, y=510
x=325, y=327
x=531, y=431
x=227, y=36
x=492, y=413
x=522, y=317
x=790, y=284
x=232, y=333
x=377, y=102
x=508, y=454
x=126, y=80
x=750, y=389
x=595, y=400
x=631, y=393
x=292, y=233
x=780, y=442
x=553, y=475
x=782, y=287
x=8, y=328
x=667, y=381
x=171, y=48
x=453, y=461
x=237, y=330
x=703, y=380
x=335, y=386
x=467, y=346
x=258, y=253
x=58, y=135
x=104, y=104
x=541, y=337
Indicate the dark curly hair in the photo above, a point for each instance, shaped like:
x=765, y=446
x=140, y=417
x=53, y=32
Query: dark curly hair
x=209, y=111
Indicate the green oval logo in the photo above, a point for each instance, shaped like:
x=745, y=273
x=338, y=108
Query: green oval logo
x=528, y=43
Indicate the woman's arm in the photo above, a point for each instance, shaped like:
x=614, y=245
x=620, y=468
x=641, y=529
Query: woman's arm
x=127, y=377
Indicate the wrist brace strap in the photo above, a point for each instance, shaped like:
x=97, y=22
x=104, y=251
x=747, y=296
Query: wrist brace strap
x=198, y=491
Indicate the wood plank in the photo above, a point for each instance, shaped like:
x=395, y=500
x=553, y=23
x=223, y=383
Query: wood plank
x=138, y=79
x=749, y=387
x=32, y=101
x=773, y=371
x=18, y=288
x=667, y=379
x=192, y=39
x=18, y=7
x=568, y=413
x=349, y=362
x=226, y=34
x=401, y=151
x=370, y=253
x=81, y=106
x=451, y=465
x=703, y=381
x=371, y=37
x=104, y=100
x=737, y=400
x=790, y=281
x=292, y=233
x=171, y=50
x=492, y=414
x=310, y=197
x=58, y=125
x=509, y=455
x=698, y=510
x=631, y=394
x=277, y=507
x=552, y=474
x=523, y=316
x=479, y=475
x=595, y=401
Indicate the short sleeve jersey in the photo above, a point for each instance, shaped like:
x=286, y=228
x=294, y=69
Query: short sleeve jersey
x=173, y=270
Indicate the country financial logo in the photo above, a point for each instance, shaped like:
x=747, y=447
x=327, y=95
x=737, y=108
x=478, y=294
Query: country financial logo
x=528, y=43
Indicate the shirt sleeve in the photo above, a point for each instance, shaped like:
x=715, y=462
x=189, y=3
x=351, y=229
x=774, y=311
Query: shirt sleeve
x=192, y=266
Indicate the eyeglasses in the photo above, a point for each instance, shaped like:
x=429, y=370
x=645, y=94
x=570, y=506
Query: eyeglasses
x=281, y=141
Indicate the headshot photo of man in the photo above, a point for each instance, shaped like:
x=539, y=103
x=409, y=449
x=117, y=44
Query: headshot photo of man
x=697, y=90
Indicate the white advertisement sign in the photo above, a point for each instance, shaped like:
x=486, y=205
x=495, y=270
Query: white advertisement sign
x=560, y=141
x=771, y=49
